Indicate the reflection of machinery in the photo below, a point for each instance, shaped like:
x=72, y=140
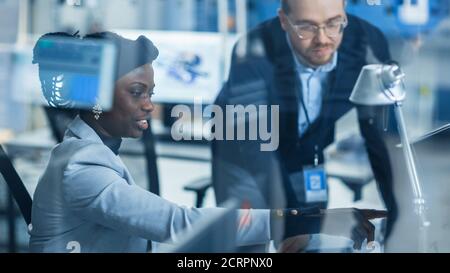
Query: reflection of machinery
x=75, y=73
x=184, y=67
x=406, y=18
x=414, y=13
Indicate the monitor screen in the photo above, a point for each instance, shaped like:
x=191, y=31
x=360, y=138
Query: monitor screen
x=431, y=154
x=70, y=73
x=195, y=68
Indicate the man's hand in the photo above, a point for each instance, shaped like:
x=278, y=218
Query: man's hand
x=294, y=244
x=351, y=223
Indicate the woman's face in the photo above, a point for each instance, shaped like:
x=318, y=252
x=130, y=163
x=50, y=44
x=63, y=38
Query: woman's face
x=132, y=104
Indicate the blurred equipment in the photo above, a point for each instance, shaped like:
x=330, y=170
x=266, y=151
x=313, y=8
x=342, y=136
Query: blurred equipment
x=414, y=12
x=383, y=85
x=407, y=18
x=348, y=161
x=9, y=21
x=441, y=113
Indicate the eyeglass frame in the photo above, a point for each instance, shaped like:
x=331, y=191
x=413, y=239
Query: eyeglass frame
x=343, y=24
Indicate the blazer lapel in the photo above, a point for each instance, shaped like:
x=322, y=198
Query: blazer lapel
x=284, y=90
x=80, y=129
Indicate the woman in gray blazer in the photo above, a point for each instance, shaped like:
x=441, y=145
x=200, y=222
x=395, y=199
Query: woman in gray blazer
x=87, y=201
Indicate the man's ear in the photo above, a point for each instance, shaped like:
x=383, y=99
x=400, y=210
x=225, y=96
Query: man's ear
x=282, y=18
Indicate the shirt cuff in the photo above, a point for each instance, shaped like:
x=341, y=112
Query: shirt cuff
x=254, y=227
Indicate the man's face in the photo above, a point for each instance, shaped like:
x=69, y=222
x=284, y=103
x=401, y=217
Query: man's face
x=304, y=15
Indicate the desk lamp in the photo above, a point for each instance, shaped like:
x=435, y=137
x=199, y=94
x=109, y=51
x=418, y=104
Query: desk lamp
x=380, y=85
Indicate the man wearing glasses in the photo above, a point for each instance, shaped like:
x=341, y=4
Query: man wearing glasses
x=306, y=61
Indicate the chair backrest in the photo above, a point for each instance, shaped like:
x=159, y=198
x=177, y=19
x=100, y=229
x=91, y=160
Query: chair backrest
x=149, y=142
x=16, y=186
x=58, y=120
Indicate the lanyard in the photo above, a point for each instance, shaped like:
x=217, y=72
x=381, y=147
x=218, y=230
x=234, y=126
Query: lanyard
x=302, y=100
x=308, y=120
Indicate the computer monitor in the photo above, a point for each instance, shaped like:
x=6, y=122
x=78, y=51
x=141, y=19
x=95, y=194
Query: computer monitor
x=215, y=233
x=79, y=72
x=431, y=153
x=191, y=65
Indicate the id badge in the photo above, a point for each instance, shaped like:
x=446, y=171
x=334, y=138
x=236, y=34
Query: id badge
x=315, y=184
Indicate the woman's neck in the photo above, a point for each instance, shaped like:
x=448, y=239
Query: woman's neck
x=94, y=124
x=113, y=143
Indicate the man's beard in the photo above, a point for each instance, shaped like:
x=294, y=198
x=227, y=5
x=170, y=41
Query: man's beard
x=311, y=58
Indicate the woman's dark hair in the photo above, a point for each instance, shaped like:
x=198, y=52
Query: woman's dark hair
x=131, y=53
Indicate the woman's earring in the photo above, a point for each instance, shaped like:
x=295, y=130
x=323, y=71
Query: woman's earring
x=97, y=110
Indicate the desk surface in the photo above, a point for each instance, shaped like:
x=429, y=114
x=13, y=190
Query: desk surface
x=42, y=140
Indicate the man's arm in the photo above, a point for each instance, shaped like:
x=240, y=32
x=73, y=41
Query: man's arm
x=371, y=123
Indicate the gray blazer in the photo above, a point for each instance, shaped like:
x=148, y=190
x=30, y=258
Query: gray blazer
x=87, y=201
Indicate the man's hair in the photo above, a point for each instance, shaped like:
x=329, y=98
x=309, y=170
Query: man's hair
x=287, y=8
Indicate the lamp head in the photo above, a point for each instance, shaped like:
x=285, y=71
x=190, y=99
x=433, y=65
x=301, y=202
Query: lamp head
x=379, y=85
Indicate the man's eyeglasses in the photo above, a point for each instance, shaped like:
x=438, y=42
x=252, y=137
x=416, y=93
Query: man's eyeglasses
x=308, y=31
